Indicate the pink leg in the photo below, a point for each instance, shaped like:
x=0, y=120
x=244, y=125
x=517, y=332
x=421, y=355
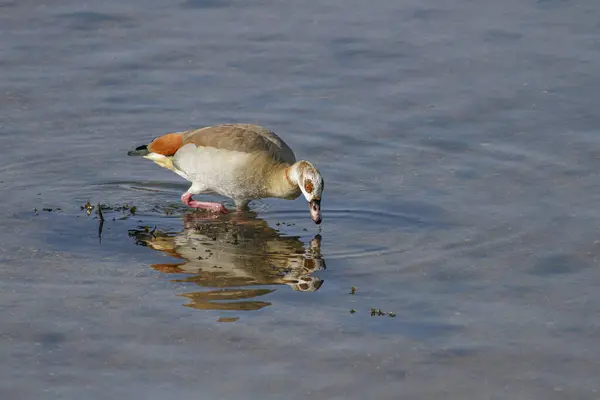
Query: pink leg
x=214, y=207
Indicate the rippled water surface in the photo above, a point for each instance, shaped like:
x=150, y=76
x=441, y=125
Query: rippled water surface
x=460, y=146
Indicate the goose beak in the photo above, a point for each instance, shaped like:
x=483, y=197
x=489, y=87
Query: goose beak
x=314, y=207
x=139, y=151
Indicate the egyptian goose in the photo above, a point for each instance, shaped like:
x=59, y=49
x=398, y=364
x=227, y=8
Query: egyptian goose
x=240, y=161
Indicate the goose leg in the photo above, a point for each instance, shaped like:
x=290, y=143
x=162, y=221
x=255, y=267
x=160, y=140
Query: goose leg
x=186, y=198
x=242, y=205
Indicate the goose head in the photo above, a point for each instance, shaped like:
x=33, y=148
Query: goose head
x=311, y=184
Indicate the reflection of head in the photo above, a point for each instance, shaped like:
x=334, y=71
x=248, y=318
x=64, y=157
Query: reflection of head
x=236, y=251
x=306, y=283
x=301, y=281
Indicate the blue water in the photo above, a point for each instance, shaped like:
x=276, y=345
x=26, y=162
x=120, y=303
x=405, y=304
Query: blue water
x=460, y=147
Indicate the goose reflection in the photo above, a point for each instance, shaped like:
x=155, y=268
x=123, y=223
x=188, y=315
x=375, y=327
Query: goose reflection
x=231, y=255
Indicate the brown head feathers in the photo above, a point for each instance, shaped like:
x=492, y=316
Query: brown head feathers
x=167, y=144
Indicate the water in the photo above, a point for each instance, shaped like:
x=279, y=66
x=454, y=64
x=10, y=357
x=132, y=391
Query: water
x=459, y=144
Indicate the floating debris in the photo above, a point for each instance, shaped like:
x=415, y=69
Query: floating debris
x=126, y=209
x=377, y=312
x=352, y=290
x=99, y=212
x=101, y=224
x=47, y=209
x=88, y=207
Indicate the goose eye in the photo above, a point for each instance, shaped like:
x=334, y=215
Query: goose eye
x=308, y=186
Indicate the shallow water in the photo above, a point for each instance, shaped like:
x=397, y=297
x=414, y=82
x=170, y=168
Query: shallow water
x=460, y=148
